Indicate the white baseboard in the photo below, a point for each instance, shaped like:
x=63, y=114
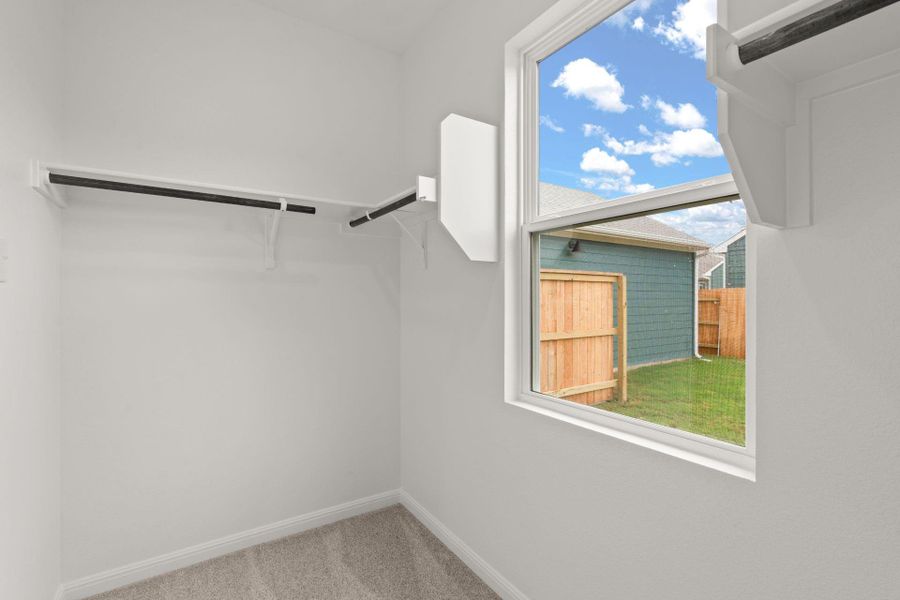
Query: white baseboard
x=497, y=582
x=114, y=578
x=134, y=572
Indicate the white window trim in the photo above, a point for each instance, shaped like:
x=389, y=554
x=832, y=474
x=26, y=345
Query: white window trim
x=560, y=24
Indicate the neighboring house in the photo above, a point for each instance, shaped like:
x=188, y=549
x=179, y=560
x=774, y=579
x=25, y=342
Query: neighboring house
x=732, y=273
x=657, y=260
x=711, y=270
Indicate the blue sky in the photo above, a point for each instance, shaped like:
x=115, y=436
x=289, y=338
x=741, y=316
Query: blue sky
x=626, y=108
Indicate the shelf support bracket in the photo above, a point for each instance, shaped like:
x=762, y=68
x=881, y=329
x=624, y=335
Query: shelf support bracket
x=420, y=241
x=270, y=233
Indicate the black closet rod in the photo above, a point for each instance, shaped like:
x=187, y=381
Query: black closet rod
x=809, y=26
x=102, y=184
x=387, y=208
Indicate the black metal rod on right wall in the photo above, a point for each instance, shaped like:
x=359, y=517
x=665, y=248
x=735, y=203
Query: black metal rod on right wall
x=809, y=26
x=387, y=208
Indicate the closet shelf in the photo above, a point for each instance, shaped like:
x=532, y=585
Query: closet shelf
x=468, y=208
x=768, y=75
x=469, y=193
x=54, y=189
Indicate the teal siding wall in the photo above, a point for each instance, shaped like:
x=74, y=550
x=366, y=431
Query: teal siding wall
x=660, y=292
x=717, y=278
x=735, y=261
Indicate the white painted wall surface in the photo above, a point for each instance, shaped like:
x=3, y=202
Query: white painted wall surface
x=230, y=92
x=737, y=15
x=30, y=110
x=567, y=513
x=203, y=396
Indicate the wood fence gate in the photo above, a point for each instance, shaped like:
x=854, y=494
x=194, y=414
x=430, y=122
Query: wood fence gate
x=581, y=314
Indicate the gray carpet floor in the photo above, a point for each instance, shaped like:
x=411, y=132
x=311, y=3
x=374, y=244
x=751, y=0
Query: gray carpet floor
x=382, y=555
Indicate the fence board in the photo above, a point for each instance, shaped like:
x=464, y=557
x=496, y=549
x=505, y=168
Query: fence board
x=723, y=322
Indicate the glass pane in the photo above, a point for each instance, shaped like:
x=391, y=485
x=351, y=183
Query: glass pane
x=626, y=107
x=659, y=298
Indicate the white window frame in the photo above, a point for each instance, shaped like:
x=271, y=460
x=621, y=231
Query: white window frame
x=562, y=23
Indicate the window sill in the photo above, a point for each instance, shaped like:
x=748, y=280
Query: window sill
x=710, y=453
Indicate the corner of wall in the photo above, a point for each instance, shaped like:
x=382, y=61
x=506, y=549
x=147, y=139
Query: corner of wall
x=31, y=34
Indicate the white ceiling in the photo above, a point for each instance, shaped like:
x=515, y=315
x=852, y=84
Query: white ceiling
x=387, y=24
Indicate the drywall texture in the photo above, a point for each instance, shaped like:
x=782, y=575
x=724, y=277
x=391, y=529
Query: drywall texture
x=568, y=513
x=204, y=396
x=29, y=303
x=230, y=92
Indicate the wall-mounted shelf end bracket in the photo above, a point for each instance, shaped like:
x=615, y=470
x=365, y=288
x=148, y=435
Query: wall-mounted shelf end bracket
x=40, y=182
x=758, y=132
x=756, y=121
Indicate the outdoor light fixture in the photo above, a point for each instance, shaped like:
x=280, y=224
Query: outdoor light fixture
x=573, y=246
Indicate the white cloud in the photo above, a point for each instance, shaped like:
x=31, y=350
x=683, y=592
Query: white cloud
x=643, y=129
x=609, y=174
x=646, y=102
x=694, y=142
x=668, y=148
x=589, y=129
x=687, y=31
x=550, y=124
x=621, y=184
x=596, y=160
x=638, y=23
x=583, y=78
x=626, y=15
x=640, y=188
x=686, y=116
x=712, y=223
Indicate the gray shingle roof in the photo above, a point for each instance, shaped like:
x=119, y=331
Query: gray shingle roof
x=708, y=262
x=556, y=198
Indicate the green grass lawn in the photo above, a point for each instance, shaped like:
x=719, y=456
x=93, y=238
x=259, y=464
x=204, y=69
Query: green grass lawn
x=700, y=396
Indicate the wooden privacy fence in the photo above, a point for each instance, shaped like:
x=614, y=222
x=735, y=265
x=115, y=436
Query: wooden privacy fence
x=723, y=322
x=578, y=328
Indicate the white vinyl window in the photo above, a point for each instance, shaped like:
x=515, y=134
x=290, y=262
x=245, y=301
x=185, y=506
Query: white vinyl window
x=622, y=222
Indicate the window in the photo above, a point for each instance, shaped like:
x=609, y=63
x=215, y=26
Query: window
x=631, y=278
x=623, y=324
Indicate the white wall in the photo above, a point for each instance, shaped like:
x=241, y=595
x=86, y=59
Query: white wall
x=231, y=92
x=567, y=513
x=30, y=31
x=203, y=396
